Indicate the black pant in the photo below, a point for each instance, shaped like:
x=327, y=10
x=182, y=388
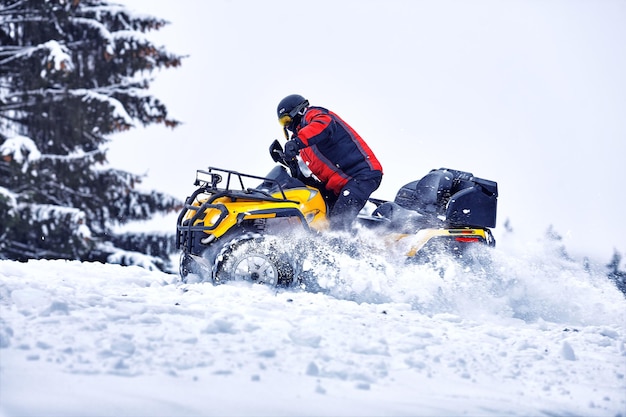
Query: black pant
x=352, y=199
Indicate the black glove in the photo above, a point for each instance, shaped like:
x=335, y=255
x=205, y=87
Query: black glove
x=292, y=148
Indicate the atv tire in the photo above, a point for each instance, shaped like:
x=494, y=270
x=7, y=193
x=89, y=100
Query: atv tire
x=256, y=260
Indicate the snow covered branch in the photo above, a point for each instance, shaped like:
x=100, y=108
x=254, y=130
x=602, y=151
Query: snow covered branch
x=119, y=112
x=58, y=56
x=101, y=29
x=20, y=149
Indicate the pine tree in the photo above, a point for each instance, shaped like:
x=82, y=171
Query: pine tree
x=615, y=275
x=72, y=73
x=555, y=239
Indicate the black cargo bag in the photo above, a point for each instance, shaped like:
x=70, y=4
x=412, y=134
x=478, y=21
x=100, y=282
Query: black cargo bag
x=457, y=198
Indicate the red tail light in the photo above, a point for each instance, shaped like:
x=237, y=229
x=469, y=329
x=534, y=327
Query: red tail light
x=466, y=239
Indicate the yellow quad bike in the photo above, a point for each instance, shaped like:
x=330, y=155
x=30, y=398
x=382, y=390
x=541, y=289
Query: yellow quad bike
x=228, y=231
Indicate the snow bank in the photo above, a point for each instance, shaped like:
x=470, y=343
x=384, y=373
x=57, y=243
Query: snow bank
x=87, y=339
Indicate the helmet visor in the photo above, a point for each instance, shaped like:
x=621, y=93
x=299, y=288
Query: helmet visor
x=284, y=120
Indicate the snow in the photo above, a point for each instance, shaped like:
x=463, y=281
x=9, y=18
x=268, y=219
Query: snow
x=538, y=335
x=20, y=148
x=102, y=29
x=8, y=195
x=59, y=57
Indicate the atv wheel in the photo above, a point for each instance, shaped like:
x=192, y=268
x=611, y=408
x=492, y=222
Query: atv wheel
x=255, y=260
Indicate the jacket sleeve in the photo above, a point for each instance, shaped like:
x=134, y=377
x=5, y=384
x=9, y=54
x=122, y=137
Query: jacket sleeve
x=318, y=128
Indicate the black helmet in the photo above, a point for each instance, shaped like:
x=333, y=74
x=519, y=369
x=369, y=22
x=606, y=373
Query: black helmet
x=290, y=108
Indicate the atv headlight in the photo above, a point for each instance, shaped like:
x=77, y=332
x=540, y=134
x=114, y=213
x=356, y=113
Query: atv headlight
x=311, y=216
x=214, y=218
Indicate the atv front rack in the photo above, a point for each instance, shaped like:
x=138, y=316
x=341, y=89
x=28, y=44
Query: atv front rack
x=234, y=189
x=207, y=181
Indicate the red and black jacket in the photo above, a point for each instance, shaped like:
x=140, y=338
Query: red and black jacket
x=334, y=152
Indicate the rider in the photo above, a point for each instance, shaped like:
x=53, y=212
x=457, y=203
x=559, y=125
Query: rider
x=335, y=154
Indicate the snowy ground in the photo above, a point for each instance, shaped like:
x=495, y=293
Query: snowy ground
x=539, y=336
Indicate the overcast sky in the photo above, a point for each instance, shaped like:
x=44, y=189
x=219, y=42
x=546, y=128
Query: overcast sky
x=531, y=94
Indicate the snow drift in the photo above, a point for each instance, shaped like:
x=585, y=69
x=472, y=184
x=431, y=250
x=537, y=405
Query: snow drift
x=536, y=334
